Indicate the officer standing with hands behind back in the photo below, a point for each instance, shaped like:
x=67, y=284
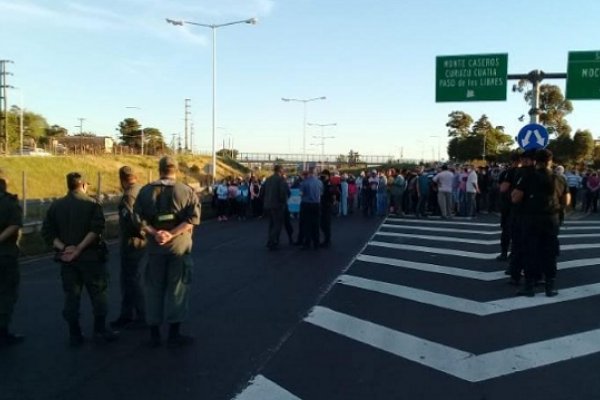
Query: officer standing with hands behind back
x=11, y=221
x=73, y=226
x=132, y=244
x=168, y=211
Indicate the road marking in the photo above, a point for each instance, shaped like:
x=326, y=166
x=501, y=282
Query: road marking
x=437, y=229
x=472, y=241
x=468, y=254
x=461, y=364
x=465, y=305
x=262, y=388
x=442, y=222
x=465, y=273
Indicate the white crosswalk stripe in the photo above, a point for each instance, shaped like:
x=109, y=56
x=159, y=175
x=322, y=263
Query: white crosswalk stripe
x=374, y=276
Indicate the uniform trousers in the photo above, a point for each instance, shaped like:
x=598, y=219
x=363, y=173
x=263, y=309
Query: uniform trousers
x=168, y=278
x=276, y=220
x=540, y=234
x=93, y=275
x=309, y=219
x=132, y=290
x=9, y=288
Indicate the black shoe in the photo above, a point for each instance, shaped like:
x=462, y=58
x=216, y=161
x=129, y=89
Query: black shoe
x=502, y=257
x=549, y=288
x=180, y=340
x=121, y=323
x=513, y=282
x=106, y=336
x=11, y=339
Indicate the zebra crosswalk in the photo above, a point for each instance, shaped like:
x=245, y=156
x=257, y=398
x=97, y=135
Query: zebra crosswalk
x=424, y=312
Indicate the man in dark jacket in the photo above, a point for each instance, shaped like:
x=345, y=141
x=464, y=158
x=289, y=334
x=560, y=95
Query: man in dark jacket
x=132, y=243
x=11, y=221
x=276, y=193
x=74, y=225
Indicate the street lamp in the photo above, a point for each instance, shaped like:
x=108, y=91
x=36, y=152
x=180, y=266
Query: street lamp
x=323, y=137
x=141, y=129
x=304, y=101
x=214, y=28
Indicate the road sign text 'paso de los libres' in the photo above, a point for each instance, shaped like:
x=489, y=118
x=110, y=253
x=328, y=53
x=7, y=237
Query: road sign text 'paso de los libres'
x=480, y=77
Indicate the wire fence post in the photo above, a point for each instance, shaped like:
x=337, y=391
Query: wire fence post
x=99, y=190
x=24, y=192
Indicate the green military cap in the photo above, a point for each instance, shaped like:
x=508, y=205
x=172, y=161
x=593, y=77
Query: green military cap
x=125, y=172
x=167, y=162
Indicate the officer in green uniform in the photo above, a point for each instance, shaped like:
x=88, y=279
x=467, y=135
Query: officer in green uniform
x=11, y=221
x=168, y=211
x=73, y=226
x=541, y=195
x=132, y=244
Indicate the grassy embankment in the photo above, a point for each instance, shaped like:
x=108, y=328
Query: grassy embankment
x=45, y=179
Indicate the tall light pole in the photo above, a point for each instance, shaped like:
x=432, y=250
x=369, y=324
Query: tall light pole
x=304, y=101
x=141, y=129
x=214, y=28
x=323, y=137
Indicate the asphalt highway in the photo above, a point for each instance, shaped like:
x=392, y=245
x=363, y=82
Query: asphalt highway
x=246, y=302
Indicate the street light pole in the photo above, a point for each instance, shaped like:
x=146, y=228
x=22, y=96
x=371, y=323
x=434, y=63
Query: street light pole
x=304, y=101
x=214, y=28
x=323, y=137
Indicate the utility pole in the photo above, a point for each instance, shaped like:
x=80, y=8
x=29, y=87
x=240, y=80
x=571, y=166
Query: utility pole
x=4, y=104
x=80, y=126
x=192, y=137
x=535, y=77
x=173, y=136
x=187, y=114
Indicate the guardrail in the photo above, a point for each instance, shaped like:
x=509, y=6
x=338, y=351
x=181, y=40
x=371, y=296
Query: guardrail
x=36, y=226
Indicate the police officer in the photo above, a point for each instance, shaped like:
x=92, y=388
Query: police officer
x=74, y=226
x=11, y=221
x=541, y=194
x=168, y=211
x=518, y=249
x=507, y=183
x=132, y=244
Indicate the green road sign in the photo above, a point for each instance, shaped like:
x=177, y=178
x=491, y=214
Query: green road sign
x=480, y=77
x=583, y=75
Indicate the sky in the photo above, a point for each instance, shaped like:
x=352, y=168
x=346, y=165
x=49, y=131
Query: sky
x=374, y=60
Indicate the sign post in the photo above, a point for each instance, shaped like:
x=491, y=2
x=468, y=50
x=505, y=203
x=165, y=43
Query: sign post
x=480, y=77
x=583, y=75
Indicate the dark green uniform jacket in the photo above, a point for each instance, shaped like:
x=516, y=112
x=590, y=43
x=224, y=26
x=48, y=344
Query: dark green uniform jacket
x=10, y=214
x=71, y=218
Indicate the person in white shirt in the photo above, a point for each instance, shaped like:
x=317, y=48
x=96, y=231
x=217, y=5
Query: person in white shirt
x=472, y=189
x=444, y=181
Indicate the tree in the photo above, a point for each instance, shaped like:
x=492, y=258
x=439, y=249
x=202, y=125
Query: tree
x=34, y=126
x=353, y=158
x=230, y=153
x=341, y=159
x=583, y=145
x=131, y=133
x=459, y=124
x=562, y=148
x=553, y=106
x=154, y=143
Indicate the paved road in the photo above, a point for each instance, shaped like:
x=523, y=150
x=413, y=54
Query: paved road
x=425, y=312
x=245, y=303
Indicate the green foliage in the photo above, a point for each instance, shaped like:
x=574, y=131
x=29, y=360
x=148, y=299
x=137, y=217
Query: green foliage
x=561, y=148
x=34, y=126
x=553, y=106
x=353, y=158
x=131, y=135
x=229, y=153
x=477, y=140
x=583, y=145
x=459, y=124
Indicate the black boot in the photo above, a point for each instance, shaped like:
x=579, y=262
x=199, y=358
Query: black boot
x=176, y=339
x=101, y=332
x=527, y=290
x=76, y=338
x=8, y=339
x=549, y=286
x=155, y=340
